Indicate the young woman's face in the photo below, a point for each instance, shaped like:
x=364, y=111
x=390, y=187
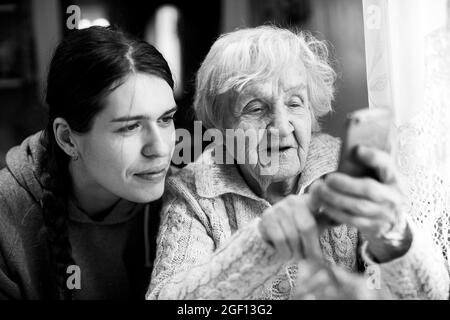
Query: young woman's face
x=127, y=152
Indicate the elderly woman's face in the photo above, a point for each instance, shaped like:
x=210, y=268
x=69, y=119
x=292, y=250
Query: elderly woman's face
x=280, y=107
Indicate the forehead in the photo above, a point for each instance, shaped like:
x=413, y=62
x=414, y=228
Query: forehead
x=141, y=94
x=286, y=78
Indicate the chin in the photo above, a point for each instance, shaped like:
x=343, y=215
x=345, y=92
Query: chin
x=149, y=194
x=284, y=176
x=281, y=172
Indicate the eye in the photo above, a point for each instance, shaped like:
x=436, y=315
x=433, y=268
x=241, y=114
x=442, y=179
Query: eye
x=167, y=120
x=296, y=102
x=130, y=128
x=254, y=107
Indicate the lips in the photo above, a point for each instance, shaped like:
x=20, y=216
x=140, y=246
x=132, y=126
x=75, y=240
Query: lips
x=153, y=173
x=281, y=148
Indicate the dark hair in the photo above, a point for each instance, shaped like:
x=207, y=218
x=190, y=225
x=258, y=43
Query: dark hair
x=87, y=65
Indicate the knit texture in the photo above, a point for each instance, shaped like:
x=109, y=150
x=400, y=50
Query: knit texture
x=209, y=246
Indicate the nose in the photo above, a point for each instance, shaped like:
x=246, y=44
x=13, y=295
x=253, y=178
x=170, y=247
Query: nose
x=155, y=145
x=280, y=123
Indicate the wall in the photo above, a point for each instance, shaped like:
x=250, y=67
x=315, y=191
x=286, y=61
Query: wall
x=47, y=34
x=339, y=22
x=235, y=14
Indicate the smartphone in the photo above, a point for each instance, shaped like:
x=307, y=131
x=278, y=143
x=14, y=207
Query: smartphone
x=369, y=127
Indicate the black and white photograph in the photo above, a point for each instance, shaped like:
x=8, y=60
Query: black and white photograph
x=216, y=150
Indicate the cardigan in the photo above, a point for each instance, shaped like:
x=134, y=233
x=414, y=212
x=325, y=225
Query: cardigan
x=209, y=245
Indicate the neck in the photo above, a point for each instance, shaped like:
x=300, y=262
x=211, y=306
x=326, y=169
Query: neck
x=88, y=196
x=279, y=190
x=266, y=188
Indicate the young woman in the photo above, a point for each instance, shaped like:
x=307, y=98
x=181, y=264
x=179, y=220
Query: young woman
x=78, y=199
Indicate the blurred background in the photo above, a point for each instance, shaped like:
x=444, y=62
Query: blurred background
x=182, y=30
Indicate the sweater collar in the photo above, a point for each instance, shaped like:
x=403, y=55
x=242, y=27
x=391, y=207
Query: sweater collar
x=121, y=212
x=213, y=180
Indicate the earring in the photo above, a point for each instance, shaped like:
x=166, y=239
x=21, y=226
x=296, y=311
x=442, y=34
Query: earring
x=75, y=156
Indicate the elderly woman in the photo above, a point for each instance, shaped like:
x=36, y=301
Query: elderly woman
x=235, y=231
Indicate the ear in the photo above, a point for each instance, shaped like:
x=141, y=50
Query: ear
x=64, y=137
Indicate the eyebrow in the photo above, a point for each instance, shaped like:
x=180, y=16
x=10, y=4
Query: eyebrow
x=245, y=97
x=143, y=117
x=262, y=91
x=298, y=87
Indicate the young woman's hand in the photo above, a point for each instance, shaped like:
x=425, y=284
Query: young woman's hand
x=291, y=228
x=374, y=207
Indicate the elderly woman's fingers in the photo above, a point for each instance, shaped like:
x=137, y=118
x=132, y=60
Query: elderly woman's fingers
x=314, y=203
x=365, y=188
x=308, y=230
x=378, y=160
x=291, y=228
x=281, y=213
x=273, y=234
x=369, y=217
x=292, y=235
x=316, y=286
x=354, y=205
x=312, y=199
x=299, y=226
x=367, y=226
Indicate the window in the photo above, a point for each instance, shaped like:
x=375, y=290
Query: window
x=162, y=32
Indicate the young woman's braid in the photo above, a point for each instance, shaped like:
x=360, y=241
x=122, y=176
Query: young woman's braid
x=56, y=186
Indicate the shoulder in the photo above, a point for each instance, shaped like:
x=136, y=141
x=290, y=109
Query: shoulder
x=324, y=147
x=184, y=176
x=17, y=207
x=181, y=197
x=180, y=185
x=322, y=142
x=323, y=157
x=11, y=192
x=22, y=245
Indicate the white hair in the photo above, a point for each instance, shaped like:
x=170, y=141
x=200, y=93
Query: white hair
x=250, y=55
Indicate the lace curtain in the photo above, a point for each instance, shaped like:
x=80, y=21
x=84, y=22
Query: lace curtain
x=423, y=145
x=416, y=87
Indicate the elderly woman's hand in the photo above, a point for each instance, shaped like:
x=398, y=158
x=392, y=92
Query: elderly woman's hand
x=318, y=281
x=291, y=228
x=374, y=207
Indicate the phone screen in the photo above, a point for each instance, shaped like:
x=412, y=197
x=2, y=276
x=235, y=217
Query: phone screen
x=368, y=127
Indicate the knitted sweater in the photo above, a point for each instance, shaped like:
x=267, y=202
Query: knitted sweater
x=209, y=246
